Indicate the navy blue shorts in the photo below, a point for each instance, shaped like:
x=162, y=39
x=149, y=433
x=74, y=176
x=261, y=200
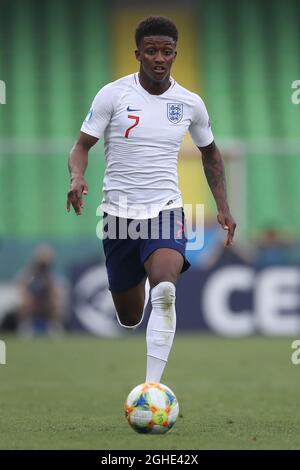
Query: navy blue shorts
x=128, y=243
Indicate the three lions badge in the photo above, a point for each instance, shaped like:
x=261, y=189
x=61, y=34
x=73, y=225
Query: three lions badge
x=174, y=112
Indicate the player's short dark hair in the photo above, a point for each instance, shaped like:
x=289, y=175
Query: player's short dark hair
x=155, y=26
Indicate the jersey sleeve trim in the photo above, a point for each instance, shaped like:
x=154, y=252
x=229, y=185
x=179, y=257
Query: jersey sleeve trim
x=87, y=131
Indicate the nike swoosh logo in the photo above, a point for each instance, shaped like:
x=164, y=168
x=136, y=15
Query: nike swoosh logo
x=132, y=109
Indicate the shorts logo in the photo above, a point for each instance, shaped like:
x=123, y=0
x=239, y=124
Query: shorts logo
x=180, y=230
x=174, y=112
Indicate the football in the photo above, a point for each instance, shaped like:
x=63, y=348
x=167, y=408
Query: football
x=151, y=408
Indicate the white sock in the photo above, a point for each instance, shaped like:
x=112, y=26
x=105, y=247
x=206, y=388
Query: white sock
x=133, y=327
x=160, y=330
x=130, y=327
x=155, y=368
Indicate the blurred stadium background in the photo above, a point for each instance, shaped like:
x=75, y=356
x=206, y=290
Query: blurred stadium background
x=241, y=57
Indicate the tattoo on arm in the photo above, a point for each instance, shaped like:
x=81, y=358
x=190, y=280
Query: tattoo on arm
x=215, y=175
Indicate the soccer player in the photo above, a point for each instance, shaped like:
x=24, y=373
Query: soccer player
x=143, y=118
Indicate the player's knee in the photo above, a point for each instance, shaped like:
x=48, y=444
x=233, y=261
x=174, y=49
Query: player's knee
x=161, y=277
x=164, y=293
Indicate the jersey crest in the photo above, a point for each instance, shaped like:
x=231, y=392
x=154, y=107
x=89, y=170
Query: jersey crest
x=174, y=112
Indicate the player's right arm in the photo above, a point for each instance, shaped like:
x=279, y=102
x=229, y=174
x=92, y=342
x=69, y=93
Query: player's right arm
x=92, y=129
x=78, y=161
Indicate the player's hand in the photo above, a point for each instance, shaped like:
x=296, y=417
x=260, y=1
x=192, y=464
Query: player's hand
x=227, y=222
x=78, y=189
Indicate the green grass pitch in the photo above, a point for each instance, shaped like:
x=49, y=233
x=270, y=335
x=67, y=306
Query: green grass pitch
x=69, y=393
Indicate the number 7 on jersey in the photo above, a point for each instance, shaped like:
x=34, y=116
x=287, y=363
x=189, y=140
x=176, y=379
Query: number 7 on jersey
x=136, y=119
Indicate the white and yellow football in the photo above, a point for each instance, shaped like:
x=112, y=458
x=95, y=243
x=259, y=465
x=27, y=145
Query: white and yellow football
x=151, y=408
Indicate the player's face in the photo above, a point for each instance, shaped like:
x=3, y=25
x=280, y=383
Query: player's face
x=156, y=55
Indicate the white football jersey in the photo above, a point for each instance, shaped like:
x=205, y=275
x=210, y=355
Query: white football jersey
x=142, y=137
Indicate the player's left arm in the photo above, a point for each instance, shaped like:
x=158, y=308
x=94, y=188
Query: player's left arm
x=215, y=175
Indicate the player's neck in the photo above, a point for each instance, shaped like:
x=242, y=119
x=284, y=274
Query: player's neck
x=154, y=88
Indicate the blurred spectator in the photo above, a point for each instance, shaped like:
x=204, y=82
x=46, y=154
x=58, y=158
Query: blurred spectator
x=43, y=296
x=274, y=247
x=214, y=253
